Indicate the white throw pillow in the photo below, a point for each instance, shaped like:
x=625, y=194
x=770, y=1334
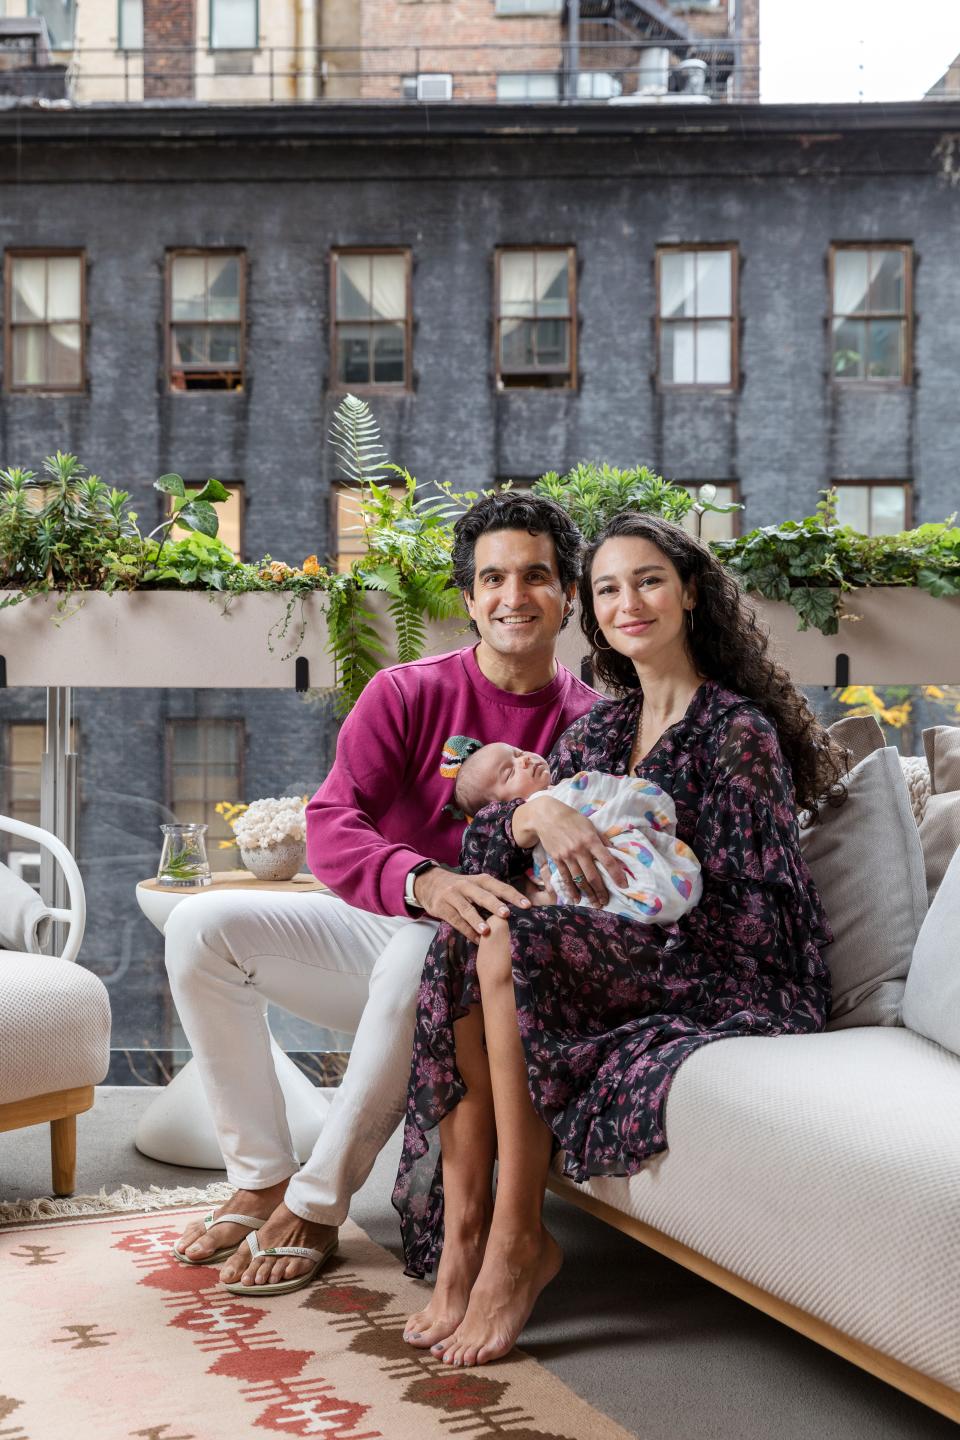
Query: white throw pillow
x=867, y=863
x=931, y=1000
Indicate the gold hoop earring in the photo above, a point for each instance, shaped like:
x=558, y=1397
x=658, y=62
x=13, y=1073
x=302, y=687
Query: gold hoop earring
x=596, y=642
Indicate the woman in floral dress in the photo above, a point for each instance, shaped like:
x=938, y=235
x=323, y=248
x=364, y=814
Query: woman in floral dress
x=565, y=1026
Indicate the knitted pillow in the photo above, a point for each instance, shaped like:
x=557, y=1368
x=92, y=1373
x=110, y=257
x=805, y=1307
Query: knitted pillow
x=931, y=999
x=24, y=922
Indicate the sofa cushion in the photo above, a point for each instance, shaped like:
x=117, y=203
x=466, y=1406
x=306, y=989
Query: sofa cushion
x=24, y=921
x=824, y=1169
x=867, y=863
x=940, y=826
x=931, y=999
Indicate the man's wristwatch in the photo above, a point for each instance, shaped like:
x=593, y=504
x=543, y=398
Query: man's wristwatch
x=410, y=900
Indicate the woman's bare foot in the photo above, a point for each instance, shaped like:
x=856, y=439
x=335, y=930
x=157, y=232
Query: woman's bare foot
x=515, y=1270
x=459, y=1267
x=198, y=1244
x=282, y=1228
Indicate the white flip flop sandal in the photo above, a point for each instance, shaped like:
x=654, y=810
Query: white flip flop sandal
x=252, y=1222
x=284, y=1287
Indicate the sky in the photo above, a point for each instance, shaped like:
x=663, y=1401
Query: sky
x=828, y=50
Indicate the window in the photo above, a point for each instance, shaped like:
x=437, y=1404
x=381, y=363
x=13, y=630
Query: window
x=714, y=527
x=206, y=305
x=229, y=513
x=696, y=290
x=529, y=7
x=45, y=321
x=529, y=85
x=346, y=529
x=874, y=507
x=60, y=16
x=130, y=24
x=870, y=320
x=234, y=24
x=205, y=766
x=536, y=317
x=371, y=324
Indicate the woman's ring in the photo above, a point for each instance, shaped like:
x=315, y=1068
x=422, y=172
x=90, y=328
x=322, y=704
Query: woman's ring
x=579, y=879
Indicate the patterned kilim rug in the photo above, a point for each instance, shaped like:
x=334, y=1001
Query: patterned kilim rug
x=105, y=1335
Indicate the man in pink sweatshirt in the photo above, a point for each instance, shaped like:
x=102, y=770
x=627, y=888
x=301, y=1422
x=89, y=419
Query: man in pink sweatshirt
x=381, y=835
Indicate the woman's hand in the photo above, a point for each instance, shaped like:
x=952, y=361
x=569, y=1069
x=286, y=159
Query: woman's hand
x=572, y=843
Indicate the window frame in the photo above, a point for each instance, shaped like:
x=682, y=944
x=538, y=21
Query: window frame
x=851, y=482
x=906, y=315
x=169, y=724
x=52, y=252
x=169, y=322
x=570, y=370
x=233, y=49
x=373, y=387
x=723, y=387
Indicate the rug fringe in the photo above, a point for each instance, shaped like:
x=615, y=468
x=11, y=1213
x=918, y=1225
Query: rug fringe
x=128, y=1197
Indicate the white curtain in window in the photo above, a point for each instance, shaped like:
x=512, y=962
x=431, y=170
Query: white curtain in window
x=516, y=282
x=63, y=287
x=849, y=281
x=189, y=287
x=389, y=297
x=714, y=283
x=678, y=285
x=29, y=289
x=233, y=24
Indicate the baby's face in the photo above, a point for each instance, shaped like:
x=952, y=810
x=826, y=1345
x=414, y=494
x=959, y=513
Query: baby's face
x=506, y=773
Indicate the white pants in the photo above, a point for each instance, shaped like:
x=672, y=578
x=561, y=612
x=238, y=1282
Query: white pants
x=228, y=957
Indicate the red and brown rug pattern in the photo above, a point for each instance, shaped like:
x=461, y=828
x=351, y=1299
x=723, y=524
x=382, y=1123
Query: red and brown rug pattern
x=105, y=1335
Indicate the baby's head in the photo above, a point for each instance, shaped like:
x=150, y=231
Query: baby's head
x=499, y=772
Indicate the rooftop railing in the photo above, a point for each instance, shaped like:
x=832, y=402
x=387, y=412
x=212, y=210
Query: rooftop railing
x=614, y=70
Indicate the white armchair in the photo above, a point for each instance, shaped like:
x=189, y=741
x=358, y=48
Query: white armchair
x=54, y=1022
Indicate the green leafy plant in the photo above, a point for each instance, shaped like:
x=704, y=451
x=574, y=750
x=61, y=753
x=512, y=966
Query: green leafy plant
x=594, y=493
x=811, y=563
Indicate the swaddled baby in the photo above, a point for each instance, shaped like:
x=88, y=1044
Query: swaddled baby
x=635, y=818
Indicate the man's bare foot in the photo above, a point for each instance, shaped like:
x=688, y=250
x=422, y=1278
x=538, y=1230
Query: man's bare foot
x=515, y=1270
x=282, y=1228
x=459, y=1267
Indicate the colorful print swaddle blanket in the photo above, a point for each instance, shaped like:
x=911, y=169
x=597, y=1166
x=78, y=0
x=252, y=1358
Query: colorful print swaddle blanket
x=637, y=820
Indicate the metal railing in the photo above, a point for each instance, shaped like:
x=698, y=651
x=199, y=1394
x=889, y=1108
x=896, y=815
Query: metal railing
x=612, y=70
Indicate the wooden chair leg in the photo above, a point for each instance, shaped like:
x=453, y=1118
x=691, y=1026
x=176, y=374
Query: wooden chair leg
x=63, y=1154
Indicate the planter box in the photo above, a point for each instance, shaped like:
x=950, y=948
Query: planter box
x=184, y=639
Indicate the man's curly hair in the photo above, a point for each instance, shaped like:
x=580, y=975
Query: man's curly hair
x=510, y=510
x=727, y=645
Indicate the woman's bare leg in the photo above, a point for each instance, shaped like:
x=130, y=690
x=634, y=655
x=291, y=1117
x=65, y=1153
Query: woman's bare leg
x=468, y=1143
x=521, y=1256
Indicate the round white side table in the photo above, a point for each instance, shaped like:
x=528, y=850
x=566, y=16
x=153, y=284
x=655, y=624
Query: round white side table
x=177, y=1128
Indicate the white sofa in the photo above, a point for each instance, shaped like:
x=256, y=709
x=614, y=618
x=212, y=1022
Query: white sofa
x=818, y=1176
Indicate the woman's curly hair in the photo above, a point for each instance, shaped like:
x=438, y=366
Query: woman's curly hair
x=726, y=645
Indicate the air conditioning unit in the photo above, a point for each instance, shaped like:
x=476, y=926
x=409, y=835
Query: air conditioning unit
x=653, y=70
x=434, y=87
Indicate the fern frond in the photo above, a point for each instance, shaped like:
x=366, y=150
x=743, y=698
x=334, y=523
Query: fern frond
x=408, y=621
x=355, y=437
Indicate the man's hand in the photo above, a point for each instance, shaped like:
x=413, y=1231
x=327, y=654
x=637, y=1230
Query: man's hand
x=573, y=843
x=464, y=901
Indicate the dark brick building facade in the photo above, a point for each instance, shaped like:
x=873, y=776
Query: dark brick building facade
x=778, y=189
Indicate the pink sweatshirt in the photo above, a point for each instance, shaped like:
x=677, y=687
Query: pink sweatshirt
x=381, y=808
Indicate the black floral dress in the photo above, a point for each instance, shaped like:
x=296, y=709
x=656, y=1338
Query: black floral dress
x=609, y=1008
